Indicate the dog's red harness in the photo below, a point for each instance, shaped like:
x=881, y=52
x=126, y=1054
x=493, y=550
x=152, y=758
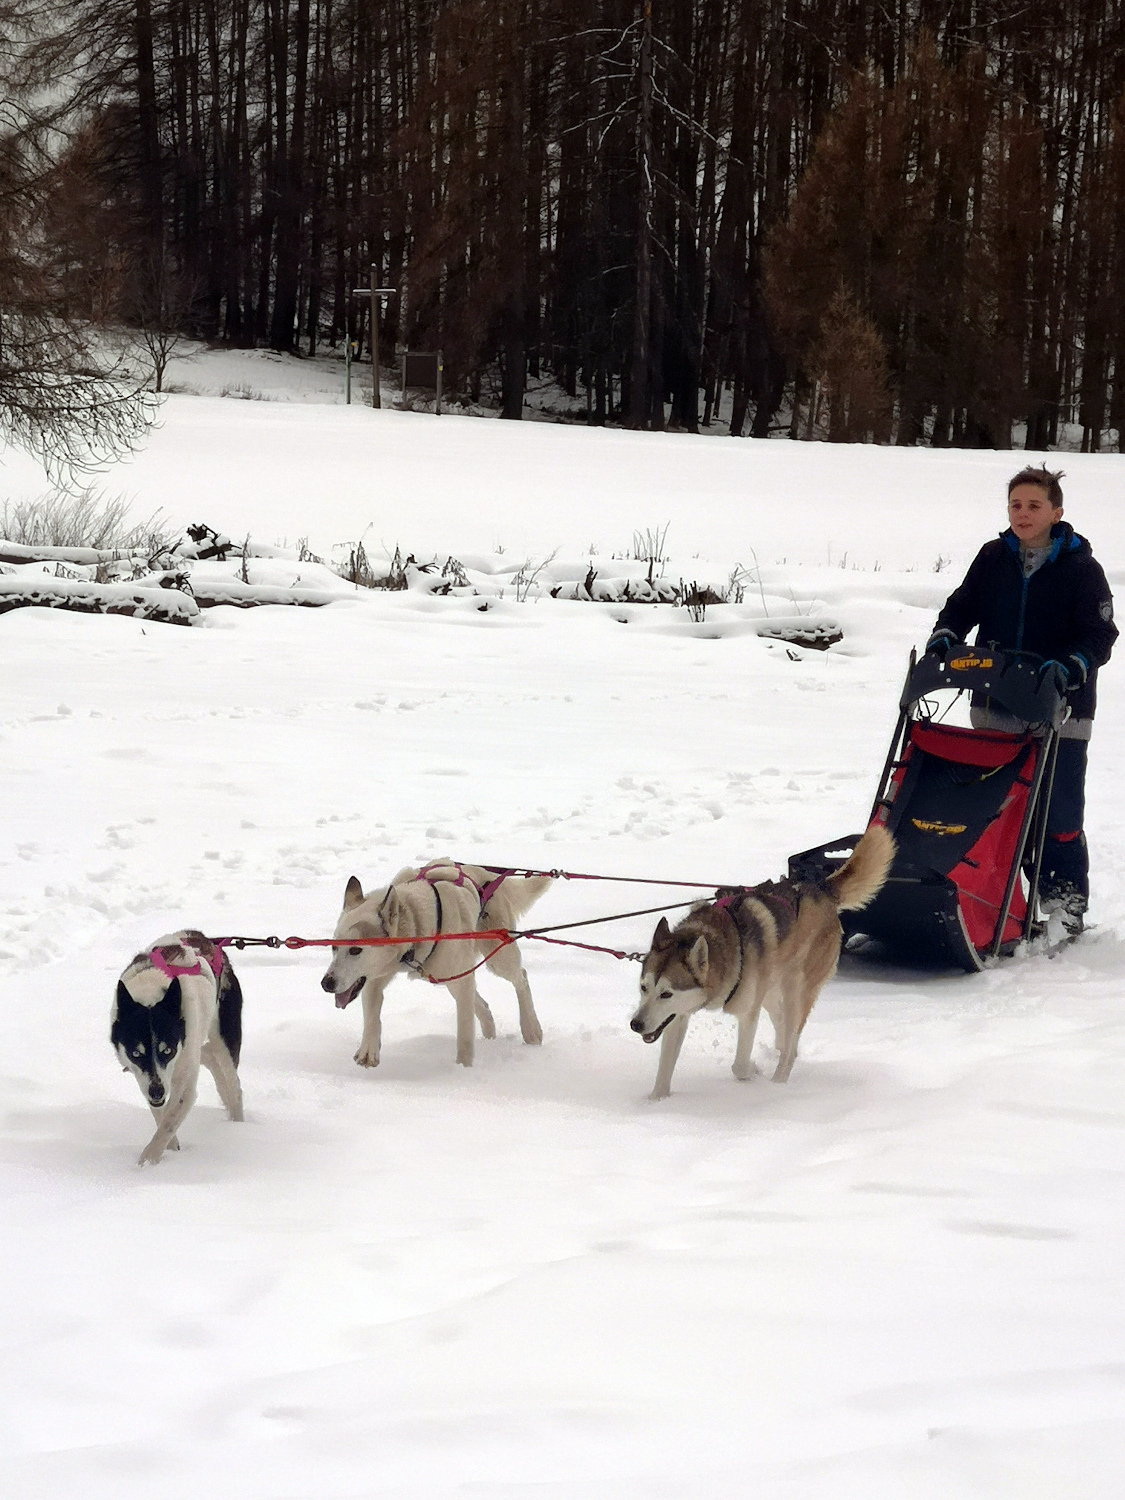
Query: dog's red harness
x=173, y=971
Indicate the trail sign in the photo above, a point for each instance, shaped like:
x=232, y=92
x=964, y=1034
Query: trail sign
x=422, y=371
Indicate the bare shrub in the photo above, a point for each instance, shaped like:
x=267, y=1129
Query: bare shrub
x=758, y=580
x=695, y=598
x=527, y=577
x=238, y=390
x=358, y=569
x=648, y=546
x=395, y=577
x=734, y=591
x=85, y=519
x=163, y=297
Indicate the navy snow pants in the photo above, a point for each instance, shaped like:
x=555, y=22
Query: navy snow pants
x=1066, y=866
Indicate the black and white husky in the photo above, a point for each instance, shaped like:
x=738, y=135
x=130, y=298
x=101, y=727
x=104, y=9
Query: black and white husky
x=177, y=1006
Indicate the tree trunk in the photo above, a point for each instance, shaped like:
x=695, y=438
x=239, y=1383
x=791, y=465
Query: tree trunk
x=640, y=390
x=149, y=125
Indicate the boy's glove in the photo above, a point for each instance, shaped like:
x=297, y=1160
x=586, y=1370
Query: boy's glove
x=941, y=643
x=1077, y=670
x=1070, y=673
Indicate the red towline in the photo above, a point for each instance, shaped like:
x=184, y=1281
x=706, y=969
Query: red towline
x=501, y=935
x=374, y=942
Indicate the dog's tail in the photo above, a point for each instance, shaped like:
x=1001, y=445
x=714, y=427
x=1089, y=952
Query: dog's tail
x=861, y=879
x=523, y=891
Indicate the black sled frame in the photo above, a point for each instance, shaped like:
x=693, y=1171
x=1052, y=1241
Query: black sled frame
x=920, y=910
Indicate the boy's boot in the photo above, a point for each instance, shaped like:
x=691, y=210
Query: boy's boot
x=1064, y=889
x=1065, y=907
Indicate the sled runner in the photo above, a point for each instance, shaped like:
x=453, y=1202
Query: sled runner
x=968, y=810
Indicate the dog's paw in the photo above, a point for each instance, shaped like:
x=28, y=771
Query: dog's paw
x=744, y=1075
x=465, y=1059
x=659, y=1093
x=150, y=1155
x=368, y=1057
x=174, y=1143
x=532, y=1033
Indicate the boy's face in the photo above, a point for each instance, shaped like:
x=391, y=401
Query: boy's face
x=1031, y=514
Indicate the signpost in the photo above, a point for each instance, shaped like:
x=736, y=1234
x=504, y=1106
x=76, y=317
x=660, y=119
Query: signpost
x=374, y=292
x=423, y=372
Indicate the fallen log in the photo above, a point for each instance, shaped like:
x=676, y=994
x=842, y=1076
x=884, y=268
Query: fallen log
x=801, y=630
x=17, y=552
x=246, y=595
x=163, y=606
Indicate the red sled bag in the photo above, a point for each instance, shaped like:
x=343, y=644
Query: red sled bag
x=967, y=808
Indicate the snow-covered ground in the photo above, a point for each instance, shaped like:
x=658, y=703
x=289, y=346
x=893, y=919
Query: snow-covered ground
x=897, y=1275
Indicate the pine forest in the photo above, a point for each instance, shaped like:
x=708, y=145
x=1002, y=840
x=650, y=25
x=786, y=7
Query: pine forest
x=895, y=222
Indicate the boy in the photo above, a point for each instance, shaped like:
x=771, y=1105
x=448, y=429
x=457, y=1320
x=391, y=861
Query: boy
x=1038, y=588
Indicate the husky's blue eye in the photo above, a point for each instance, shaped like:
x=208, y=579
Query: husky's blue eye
x=164, y=1049
x=138, y=1051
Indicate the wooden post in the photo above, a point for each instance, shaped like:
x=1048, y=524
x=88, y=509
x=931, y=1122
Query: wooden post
x=374, y=293
x=376, y=398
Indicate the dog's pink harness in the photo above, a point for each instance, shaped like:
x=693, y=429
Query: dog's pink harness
x=484, y=893
x=430, y=874
x=173, y=971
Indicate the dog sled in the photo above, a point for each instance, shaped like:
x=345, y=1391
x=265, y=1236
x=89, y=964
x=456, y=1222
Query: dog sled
x=967, y=808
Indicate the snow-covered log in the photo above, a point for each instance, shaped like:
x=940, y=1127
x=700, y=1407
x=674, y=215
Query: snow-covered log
x=168, y=606
x=18, y=552
x=247, y=595
x=817, y=634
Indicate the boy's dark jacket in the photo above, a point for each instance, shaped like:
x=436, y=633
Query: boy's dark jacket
x=1065, y=606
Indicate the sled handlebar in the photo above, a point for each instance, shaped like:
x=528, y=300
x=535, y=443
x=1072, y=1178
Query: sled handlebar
x=1014, y=681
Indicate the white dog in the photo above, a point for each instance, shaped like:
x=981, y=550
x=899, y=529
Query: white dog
x=177, y=1006
x=418, y=904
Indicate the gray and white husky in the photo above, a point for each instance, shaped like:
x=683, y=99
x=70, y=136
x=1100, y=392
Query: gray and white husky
x=771, y=945
x=440, y=897
x=178, y=1005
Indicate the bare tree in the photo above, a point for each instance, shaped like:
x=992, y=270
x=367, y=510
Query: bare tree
x=62, y=395
x=162, y=302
